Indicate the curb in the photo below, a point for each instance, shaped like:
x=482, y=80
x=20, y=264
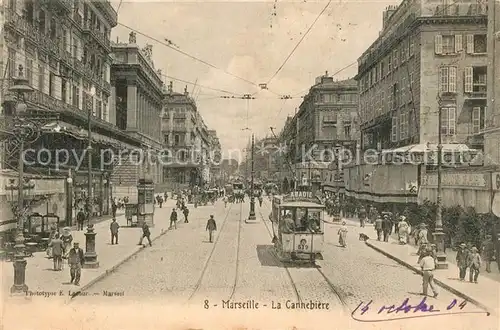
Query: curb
x=438, y=282
x=113, y=268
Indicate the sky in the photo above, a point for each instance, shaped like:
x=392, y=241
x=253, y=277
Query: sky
x=250, y=40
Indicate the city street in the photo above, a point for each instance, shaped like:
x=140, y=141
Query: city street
x=184, y=269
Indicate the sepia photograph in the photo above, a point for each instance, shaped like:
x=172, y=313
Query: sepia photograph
x=249, y=164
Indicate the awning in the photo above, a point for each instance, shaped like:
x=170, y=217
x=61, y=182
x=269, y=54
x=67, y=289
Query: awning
x=79, y=133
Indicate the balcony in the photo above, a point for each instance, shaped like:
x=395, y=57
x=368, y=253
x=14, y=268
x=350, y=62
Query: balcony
x=14, y=22
x=99, y=36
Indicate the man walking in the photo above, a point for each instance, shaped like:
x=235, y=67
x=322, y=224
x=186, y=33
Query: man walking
x=428, y=265
x=474, y=264
x=462, y=259
x=173, y=219
x=80, y=218
x=488, y=250
x=386, y=227
x=211, y=227
x=113, y=227
x=186, y=213
x=57, y=251
x=114, y=207
x=378, y=228
x=362, y=216
x=75, y=261
x=145, y=233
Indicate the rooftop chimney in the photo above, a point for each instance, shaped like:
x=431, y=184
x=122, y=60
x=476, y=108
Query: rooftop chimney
x=386, y=15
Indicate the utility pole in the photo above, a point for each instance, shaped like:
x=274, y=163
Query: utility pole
x=252, y=216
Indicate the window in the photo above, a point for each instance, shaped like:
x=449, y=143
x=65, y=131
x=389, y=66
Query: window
x=105, y=110
x=448, y=79
x=41, y=77
x=99, y=109
x=389, y=64
x=52, y=84
x=176, y=139
x=347, y=131
x=411, y=47
x=382, y=70
x=12, y=62
x=478, y=119
x=394, y=129
x=166, y=139
x=403, y=126
x=29, y=70
x=76, y=95
x=64, y=90
x=475, y=79
x=329, y=119
x=448, y=44
x=395, y=58
x=41, y=21
x=448, y=120
x=476, y=44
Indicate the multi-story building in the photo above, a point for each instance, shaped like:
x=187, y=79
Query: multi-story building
x=325, y=122
x=64, y=50
x=136, y=103
x=187, y=140
x=215, y=159
x=428, y=63
x=229, y=168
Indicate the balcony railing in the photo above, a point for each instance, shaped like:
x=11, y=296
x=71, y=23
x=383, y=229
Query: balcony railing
x=97, y=35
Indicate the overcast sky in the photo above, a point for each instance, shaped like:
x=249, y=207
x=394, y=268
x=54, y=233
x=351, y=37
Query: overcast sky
x=245, y=39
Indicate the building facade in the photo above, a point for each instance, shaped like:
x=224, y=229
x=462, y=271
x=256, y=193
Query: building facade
x=428, y=66
x=64, y=50
x=215, y=159
x=136, y=103
x=187, y=140
x=325, y=123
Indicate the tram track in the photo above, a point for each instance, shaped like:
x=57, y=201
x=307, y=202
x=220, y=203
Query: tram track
x=333, y=289
x=214, y=247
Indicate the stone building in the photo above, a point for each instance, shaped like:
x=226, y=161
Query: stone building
x=215, y=159
x=64, y=50
x=428, y=63
x=325, y=123
x=187, y=140
x=136, y=103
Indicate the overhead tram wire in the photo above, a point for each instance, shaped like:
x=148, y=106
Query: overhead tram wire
x=298, y=44
x=188, y=55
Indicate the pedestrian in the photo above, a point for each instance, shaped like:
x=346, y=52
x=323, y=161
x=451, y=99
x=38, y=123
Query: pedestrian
x=488, y=250
x=386, y=227
x=362, y=216
x=422, y=239
x=75, y=261
x=260, y=201
x=211, y=227
x=378, y=228
x=186, y=214
x=57, y=251
x=113, y=209
x=145, y=234
x=403, y=230
x=462, y=259
x=80, y=218
x=343, y=235
x=474, y=263
x=113, y=227
x=160, y=201
x=67, y=239
x=225, y=201
x=173, y=219
x=428, y=265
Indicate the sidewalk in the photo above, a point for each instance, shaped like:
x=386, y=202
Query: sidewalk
x=41, y=278
x=484, y=294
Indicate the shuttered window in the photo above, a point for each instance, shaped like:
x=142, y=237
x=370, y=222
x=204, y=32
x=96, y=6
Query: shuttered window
x=438, y=44
x=448, y=79
x=458, y=43
x=478, y=119
x=394, y=130
x=468, y=74
x=470, y=44
x=448, y=120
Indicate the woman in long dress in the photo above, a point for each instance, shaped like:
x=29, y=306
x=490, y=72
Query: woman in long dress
x=67, y=239
x=403, y=230
x=343, y=235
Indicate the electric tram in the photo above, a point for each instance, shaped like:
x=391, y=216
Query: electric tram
x=238, y=190
x=298, y=226
x=257, y=189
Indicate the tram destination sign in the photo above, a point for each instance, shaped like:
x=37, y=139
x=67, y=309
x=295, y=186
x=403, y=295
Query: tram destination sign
x=300, y=196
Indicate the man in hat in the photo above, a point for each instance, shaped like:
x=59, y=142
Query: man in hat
x=474, y=263
x=211, y=227
x=428, y=264
x=379, y=228
x=57, y=251
x=75, y=261
x=80, y=218
x=386, y=227
x=462, y=260
x=488, y=250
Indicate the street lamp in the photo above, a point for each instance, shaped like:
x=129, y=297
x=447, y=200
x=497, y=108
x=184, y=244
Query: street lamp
x=90, y=106
x=24, y=131
x=252, y=216
x=438, y=233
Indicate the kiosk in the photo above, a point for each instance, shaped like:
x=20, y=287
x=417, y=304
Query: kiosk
x=145, y=202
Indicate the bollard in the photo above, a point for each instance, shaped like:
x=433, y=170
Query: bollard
x=19, y=285
x=90, y=255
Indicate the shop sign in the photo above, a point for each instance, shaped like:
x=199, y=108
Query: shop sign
x=456, y=179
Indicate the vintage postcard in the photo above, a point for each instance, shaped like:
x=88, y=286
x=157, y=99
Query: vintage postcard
x=240, y=164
